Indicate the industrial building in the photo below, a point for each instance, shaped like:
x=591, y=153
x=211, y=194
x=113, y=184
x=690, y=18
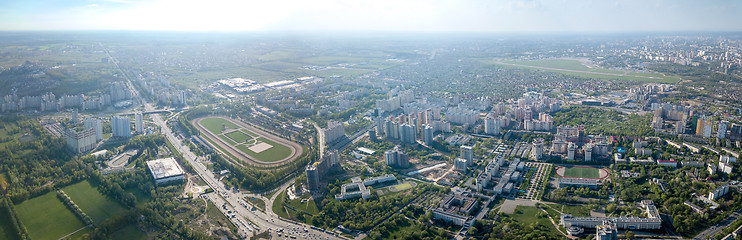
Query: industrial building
x=165, y=170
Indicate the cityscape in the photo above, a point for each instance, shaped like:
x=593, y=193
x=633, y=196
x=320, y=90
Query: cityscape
x=305, y=128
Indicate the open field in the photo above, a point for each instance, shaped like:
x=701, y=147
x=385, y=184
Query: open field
x=46, y=217
x=92, y=202
x=246, y=143
x=129, y=233
x=238, y=136
x=530, y=215
x=575, y=68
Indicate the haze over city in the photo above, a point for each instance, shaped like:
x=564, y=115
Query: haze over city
x=375, y=16
x=370, y=120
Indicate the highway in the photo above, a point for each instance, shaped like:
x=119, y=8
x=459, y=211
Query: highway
x=227, y=200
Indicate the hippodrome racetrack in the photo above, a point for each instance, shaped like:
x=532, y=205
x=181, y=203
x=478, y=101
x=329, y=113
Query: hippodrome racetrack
x=296, y=149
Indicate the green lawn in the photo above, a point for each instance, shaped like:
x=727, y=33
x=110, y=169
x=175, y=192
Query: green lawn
x=46, y=217
x=227, y=140
x=214, y=125
x=257, y=202
x=6, y=227
x=402, y=187
x=92, y=202
x=129, y=233
x=308, y=206
x=277, y=152
x=238, y=136
x=581, y=172
x=530, y=215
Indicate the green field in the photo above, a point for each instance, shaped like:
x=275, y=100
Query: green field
x=308, y=206
x=277, y=152
x=238, y=136
x=92, y=202
x=402, y=186
x=214, y=125
x=128, y=233
x=581, y=172
x=529, y=215
x=575, y=68
x=46, y=217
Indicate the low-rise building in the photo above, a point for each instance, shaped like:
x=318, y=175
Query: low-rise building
x=667, y=163
x=652, y=221
x=456, y=209
x=579, y=182
x=165, y=170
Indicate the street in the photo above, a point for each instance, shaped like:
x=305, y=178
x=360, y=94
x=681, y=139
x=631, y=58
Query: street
x=234, y=201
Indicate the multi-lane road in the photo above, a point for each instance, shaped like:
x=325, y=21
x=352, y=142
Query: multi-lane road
x=247, y=219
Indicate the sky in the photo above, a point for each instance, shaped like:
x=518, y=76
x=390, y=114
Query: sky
x=374, y=15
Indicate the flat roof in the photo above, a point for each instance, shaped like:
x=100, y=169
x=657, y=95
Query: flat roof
x=164, y=168
x=366, y=150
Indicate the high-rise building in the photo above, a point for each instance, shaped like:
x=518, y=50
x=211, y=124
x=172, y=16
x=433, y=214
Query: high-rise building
x=80, y=142
x=467, y=152
x=588, y=150
x=571, y=151
x=491, y=126
x=334, y=131
x=407, y=133
x=396, y=158
x=138, y=123
x=461, y=164
x=703, y=128
x=538, y=148
x=722, y=133
x=428, y=135
x=96, y=125
x=121, y=126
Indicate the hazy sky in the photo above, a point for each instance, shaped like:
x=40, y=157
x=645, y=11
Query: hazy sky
x=374, y=15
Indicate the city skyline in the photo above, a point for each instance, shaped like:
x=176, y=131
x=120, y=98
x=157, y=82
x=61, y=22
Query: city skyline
x=374, y=16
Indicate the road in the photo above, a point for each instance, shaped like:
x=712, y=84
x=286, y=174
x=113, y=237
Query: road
x=321, y=139
x=713, y=230
x=233, y=201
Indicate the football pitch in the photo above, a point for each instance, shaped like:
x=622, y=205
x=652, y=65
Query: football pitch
x=582, y=172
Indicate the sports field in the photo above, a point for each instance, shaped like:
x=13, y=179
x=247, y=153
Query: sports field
x=46, y=217
x=576, y=68
x=581, y=172
x=92, y=202
x=247, y=143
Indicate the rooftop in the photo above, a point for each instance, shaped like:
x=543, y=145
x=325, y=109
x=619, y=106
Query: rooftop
x=164, y=168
